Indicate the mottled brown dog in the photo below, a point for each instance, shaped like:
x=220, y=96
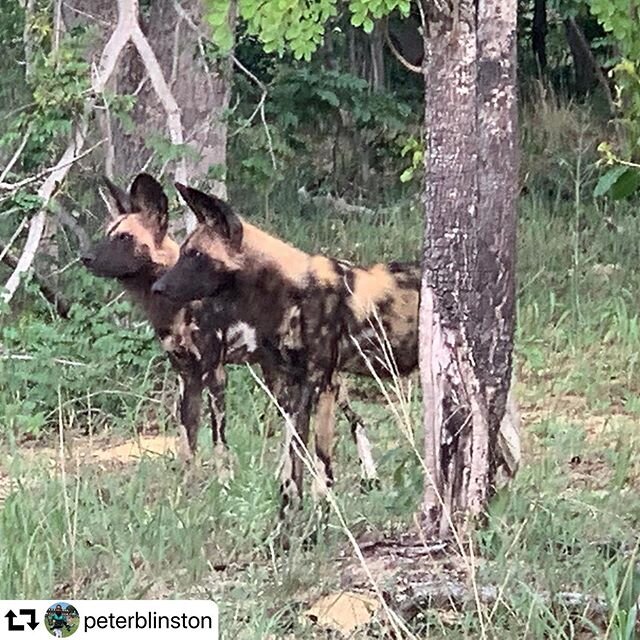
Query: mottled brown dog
x=199, y=340
x=321, y=315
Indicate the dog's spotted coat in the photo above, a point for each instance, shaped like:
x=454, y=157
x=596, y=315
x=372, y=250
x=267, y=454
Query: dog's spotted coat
x=319, y=316
x=197, y=337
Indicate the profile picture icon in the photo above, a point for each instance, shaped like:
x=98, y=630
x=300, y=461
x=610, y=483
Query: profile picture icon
x=61, y=620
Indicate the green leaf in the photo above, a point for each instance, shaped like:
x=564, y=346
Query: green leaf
x=406, y=175
x=330, y=97
x=607, y=181
x=626, y=184
x=218, y=19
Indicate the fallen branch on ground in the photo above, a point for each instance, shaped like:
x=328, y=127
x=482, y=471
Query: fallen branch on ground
x=338, y=206
x=452, y=594
x=418, y=578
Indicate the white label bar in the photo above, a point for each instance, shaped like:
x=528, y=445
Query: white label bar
x=109, y=619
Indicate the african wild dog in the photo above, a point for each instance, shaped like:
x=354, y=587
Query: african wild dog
x=321, y=315
x=136, y=251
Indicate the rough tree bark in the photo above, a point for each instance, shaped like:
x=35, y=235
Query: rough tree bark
x=29, y=7
x=377, y=79
x=467, y=301
x=199, y=85
x=585, y=66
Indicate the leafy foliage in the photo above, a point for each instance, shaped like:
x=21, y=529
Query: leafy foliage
x=321, y=121
x=294, y=25
x=86, y=363
x=622, y=21
x=57, y=86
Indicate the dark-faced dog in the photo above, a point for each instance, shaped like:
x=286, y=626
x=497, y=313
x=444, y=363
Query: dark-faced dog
x=322, y=316
x=198, y=338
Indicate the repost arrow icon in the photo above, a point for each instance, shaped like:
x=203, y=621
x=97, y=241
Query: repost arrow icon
x=12, y=625
x=32, y=613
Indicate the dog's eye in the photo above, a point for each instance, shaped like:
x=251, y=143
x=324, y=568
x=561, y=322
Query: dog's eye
x=194, y=253
x=123, y=236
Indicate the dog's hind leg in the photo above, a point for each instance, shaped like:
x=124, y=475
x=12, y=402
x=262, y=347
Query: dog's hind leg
x=325, y=422
x=369, y=473
x=295, y=400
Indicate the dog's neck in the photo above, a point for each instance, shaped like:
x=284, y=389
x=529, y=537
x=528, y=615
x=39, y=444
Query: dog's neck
x=159, y=310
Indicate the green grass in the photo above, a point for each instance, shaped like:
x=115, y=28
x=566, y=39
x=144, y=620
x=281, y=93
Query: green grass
x=568, y=523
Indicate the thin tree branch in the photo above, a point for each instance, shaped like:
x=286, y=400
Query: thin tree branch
x=14, y=237
x=15, y=186
x=59, y=302
x=396, y=54
x=194, y=27
x=128, y=15
x=67, y=220
x=92, y=17
x=27, y=357
x=58, y=24
x=168, y=101
x=127, y=28
x=259, y=108
x=263, y=89
x=108, y=60
x=36, y=227
x=16, y=155
x=27, y=38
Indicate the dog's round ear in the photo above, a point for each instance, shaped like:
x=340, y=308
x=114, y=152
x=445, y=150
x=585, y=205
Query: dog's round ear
x=215, y=213
x=149, y=199
x=120, y=196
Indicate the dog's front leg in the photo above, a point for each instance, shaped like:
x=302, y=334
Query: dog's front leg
x=190, y=408
x=216, y=384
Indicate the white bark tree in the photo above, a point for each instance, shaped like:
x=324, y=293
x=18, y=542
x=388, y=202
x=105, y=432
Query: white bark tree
x=180, y=93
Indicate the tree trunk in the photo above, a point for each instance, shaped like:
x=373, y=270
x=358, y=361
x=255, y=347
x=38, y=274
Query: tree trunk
x=200, y=86
x=29, y=7
x=49, y=250
x=495, y=270
x=376, y=46
x=588, y=74
x=539, y=34
x=467, y=298
x=584, y=65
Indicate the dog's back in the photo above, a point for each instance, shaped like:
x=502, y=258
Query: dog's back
x=380, y=324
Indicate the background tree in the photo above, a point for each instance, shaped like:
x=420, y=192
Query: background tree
x=161, y=104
